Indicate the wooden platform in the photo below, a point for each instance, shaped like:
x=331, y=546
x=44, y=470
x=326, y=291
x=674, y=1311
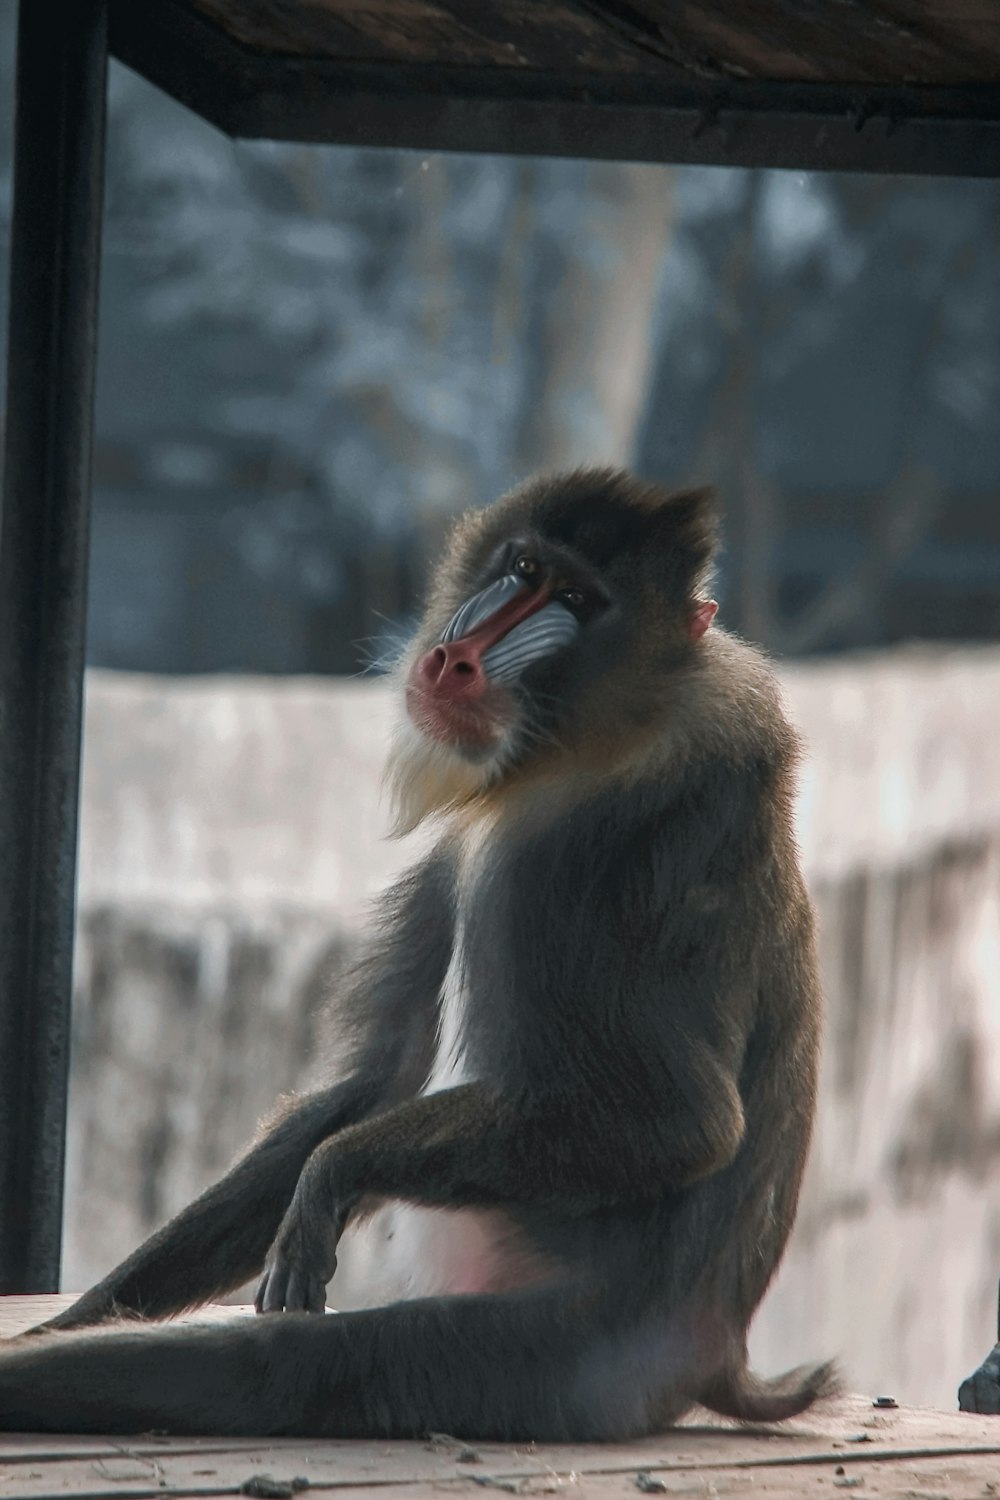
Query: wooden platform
x=851, y=1446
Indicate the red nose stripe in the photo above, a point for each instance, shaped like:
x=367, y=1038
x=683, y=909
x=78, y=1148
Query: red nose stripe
x=497, y=625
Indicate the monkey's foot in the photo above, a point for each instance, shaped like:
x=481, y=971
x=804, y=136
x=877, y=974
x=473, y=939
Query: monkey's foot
x=981, y=1391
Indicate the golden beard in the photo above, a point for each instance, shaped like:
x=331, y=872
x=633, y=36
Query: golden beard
x=423, y=777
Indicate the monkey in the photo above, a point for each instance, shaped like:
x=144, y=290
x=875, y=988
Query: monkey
x=578, y=1054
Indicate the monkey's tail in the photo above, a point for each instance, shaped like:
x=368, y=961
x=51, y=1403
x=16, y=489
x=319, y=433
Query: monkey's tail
x=748, y=1397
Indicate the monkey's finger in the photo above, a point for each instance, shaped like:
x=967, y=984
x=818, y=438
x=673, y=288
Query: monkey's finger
x=273, y=1290
x=306, y=1293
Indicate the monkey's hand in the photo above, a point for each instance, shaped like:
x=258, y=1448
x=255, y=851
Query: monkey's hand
x=303, y=1258
x=981, y=1391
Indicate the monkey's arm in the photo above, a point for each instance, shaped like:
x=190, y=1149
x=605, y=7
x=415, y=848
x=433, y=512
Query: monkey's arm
x=220, y=1241
x=467, y=1146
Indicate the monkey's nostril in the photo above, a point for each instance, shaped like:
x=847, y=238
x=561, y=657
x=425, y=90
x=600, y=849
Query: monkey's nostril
x=433, y=665
x=465, y=669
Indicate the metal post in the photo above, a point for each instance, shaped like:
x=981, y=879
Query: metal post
x=44, y=529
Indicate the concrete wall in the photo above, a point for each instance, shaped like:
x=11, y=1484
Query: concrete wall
x=896, y=1254
x=232, y=836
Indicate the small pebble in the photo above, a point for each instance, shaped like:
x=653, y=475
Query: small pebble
x=266, y=1487
x=889, y=1403
x=649, y=1484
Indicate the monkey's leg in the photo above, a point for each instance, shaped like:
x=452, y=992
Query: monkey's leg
x=221, y=1239
x=519, y=1366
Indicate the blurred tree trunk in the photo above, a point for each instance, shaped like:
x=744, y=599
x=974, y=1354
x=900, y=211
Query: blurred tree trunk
x=597, y=329
x=727, y=454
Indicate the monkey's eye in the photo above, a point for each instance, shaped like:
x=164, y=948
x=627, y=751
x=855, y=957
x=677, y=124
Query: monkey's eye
x=526, y=567
x=572, y=598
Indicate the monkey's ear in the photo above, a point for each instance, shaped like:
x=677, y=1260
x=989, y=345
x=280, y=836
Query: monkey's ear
x=704, y=613
x=686, y=528
x=692, y=517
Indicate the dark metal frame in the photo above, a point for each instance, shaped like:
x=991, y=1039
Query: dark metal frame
x=62, y=55
x=54, y=268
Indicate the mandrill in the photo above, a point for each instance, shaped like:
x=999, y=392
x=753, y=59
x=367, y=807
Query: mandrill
x=580, y=1046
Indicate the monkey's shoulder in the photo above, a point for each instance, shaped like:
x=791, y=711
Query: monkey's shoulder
x=731, y=708
x=638, y=842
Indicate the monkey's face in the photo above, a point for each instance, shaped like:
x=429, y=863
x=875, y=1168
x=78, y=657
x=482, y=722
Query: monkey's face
x=468, y=690
x=556, y=626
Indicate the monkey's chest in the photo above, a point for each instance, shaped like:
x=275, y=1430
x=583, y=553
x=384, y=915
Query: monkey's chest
x=451, y=1064
x=407, y=1250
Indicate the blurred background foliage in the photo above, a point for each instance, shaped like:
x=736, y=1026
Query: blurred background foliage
x=311, y=358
